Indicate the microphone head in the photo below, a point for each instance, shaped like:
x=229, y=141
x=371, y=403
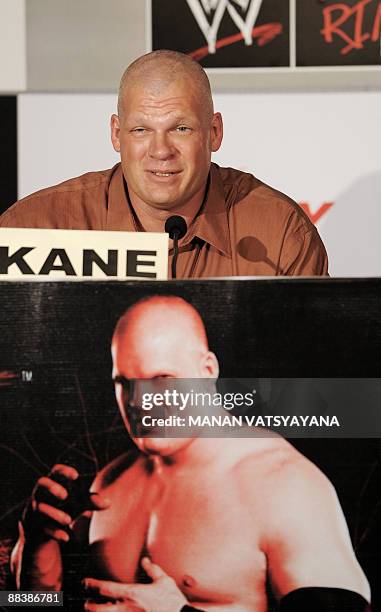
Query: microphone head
x=176, y=225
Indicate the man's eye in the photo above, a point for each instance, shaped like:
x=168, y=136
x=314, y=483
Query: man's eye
x=182, y=128
x=139, y=130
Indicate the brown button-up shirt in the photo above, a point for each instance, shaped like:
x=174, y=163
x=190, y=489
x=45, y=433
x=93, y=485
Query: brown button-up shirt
x=243, y=228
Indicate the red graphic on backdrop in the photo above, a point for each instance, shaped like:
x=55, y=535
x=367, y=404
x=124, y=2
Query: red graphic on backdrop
x=265, y=34
x=319, y=213
x=7, y=378
x=340, y=14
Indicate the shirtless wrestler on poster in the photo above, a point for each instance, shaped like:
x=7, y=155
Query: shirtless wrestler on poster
x=209, y=521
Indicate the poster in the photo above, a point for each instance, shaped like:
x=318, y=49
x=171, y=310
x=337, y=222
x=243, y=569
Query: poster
x=58, y=402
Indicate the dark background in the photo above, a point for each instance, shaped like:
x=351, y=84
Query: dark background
x=61, y=332
x=8, y=151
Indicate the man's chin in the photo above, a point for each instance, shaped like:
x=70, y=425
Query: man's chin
x=165, y=203
x=170, y=197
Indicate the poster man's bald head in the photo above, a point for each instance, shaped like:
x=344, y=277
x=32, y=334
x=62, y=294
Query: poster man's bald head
x=163, y=318
x=162, y=336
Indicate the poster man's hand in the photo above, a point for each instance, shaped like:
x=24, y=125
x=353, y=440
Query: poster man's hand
x=162, y=595
x=45, y=516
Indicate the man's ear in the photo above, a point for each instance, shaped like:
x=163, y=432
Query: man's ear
x=115, y=132
x=209, y=366
x=216, y=132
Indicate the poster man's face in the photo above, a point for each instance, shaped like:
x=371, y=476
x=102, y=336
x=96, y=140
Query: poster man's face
x=144, y=359
x=165, y=140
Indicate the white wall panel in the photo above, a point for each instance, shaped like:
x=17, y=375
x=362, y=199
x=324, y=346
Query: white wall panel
x=61, y=136
x=317, y=148
x=306, y=144
x=12, y=46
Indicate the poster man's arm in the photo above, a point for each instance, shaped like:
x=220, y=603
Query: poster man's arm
x=309, y=546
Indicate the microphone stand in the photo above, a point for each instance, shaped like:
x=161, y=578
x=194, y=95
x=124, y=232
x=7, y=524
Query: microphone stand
x=175, y=251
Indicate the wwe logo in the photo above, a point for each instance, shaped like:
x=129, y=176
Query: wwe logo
x=202, y=8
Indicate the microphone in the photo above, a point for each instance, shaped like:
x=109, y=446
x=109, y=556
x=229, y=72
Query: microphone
x=176, y=227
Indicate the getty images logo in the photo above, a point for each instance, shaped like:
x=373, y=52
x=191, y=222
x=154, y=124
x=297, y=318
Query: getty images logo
x=202, y=11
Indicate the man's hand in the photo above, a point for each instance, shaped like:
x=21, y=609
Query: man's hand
x=46, y=523
x=46, y=517
x=162, y=595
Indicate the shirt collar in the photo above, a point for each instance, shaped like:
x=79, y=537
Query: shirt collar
x=119, y=214
x=210, y=224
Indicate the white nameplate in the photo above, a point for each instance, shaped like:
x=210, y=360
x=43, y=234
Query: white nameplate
x=50, y=254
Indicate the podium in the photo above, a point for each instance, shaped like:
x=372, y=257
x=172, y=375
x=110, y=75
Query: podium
x=57, y=399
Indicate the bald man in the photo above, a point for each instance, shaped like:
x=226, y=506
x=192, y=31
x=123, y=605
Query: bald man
x=166, y=131
x=194, y=523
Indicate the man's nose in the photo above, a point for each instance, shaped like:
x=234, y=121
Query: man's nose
x=161, y=146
